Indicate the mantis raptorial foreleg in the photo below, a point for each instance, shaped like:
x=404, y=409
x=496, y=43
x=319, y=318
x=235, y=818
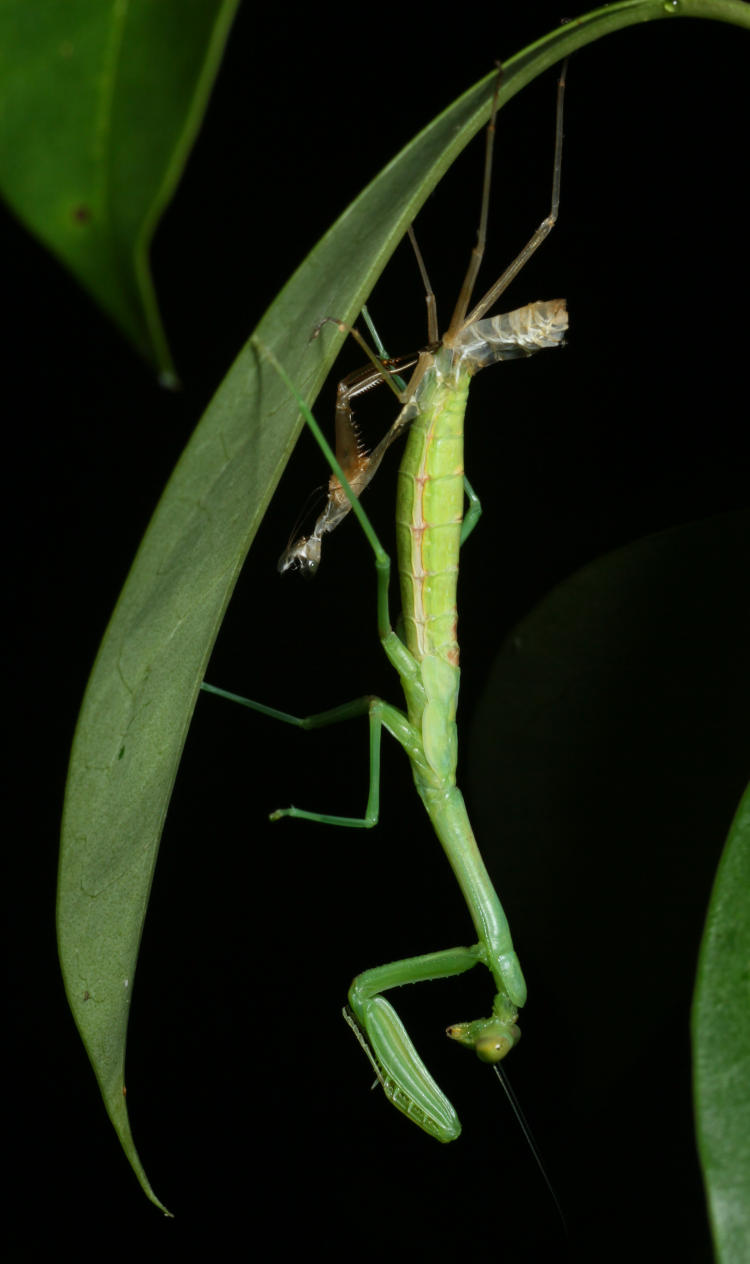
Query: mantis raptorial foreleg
x=401, y=1073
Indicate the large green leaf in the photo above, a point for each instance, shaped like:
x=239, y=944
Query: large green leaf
x=146, y=678
x=99, y=106
x=721, y=1045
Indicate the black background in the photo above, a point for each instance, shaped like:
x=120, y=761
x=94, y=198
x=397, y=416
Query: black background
x=248, y=1098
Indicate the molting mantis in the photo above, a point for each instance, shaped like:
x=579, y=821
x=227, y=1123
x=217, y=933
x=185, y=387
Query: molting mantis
x=430, y=528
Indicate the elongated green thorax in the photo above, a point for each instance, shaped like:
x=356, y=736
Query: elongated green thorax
x=447, y=811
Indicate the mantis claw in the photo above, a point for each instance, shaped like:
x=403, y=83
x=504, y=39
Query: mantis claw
x=401, y=1072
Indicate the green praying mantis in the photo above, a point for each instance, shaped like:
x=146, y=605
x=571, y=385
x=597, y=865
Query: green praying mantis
x=430, y=527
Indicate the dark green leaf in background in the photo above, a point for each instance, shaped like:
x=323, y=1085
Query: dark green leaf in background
x=721, y=1045
x=99, y=106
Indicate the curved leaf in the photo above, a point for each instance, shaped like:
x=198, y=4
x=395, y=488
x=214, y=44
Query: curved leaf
x=100, y=107
x=721, y=1045
x=145, y=681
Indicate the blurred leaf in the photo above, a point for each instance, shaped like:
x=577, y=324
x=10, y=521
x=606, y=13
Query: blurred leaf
x=721, y=1046
x=99, y=107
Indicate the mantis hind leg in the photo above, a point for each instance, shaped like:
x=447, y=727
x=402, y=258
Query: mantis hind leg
x=380, y=715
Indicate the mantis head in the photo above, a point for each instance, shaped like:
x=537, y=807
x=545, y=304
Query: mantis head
x=490, y=1038
x=303, y=555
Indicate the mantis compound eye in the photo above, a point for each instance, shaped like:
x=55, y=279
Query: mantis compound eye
x=493, y=1048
